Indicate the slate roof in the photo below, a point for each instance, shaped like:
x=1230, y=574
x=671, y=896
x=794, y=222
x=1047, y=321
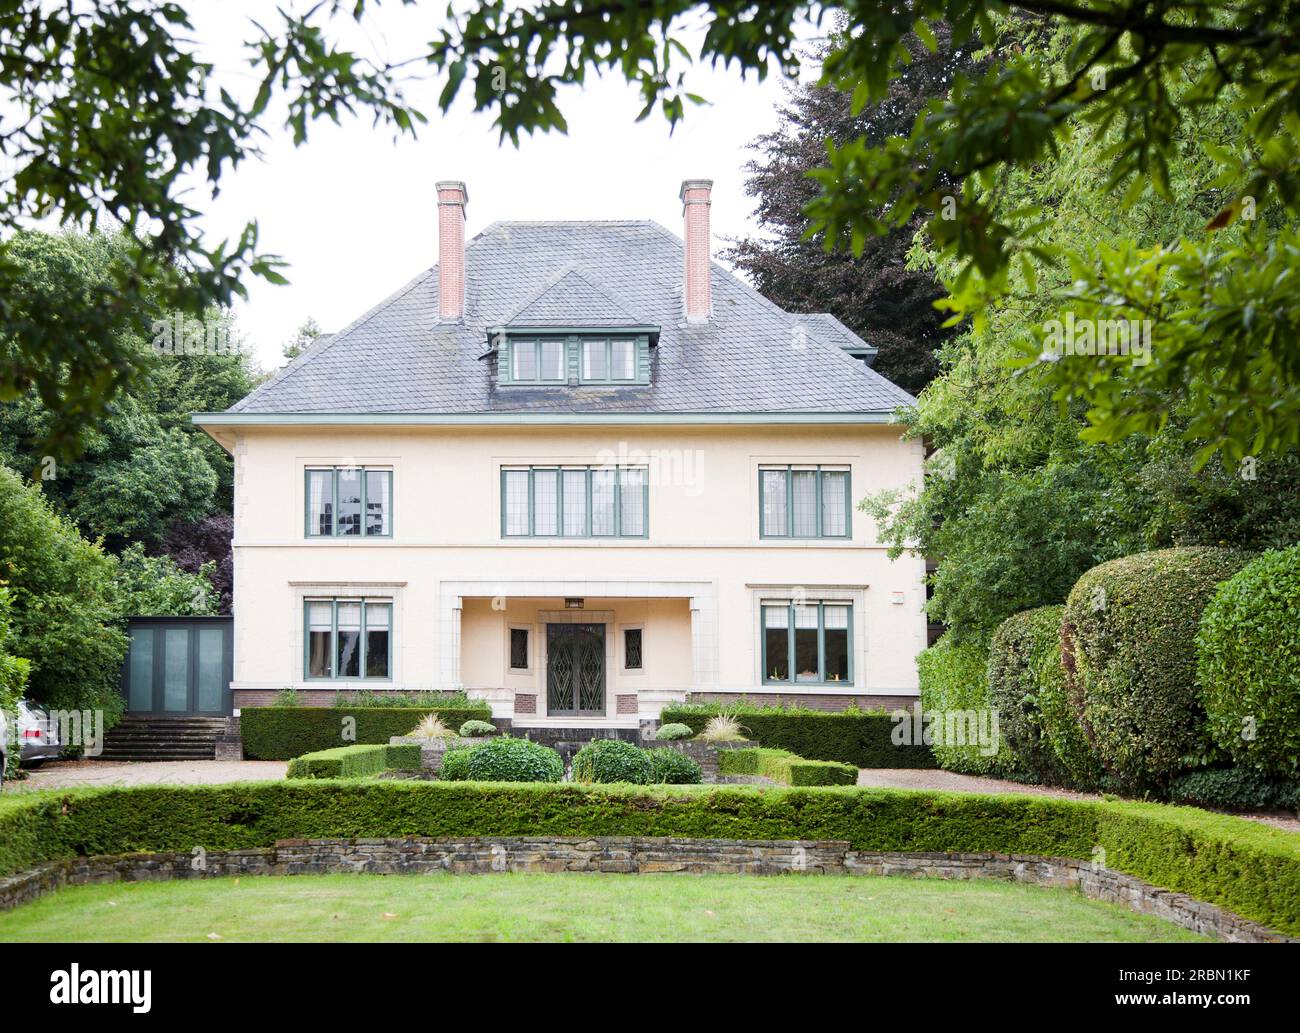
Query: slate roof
x=749, y=357
x=830, y=329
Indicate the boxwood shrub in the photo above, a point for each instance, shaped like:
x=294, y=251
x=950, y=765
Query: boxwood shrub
x=611, y=760
x=676, y=730
x=455, y=765
x=1238, y=788
x=282, y=733
x=341, y=762
x=1129, y=655
x=1020, y=662
x=1246, y=867
x=785, y=767
x=514, y=760
x=1248, y=663
x=954, y=680
x=857, y=737
x=477, y=729
x=672, y=767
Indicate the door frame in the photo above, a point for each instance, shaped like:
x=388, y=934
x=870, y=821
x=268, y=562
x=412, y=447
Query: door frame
x=571, y=625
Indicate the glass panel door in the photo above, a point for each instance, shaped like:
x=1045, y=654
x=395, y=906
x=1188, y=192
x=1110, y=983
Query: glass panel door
x=176, y=669
x=575, y=669
x=212, y=659
x=140, y=671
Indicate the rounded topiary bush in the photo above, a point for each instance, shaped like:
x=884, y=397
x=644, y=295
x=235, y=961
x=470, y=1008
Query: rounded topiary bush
x=673, y=730
x=1248, y=663
x=455, y=766
x=1061, y=727
x=514, y=760
x=1129, y=655
x=672, y=767
x=611, y=760
x=955, y=699
x=1016, y=659
x=477, y=729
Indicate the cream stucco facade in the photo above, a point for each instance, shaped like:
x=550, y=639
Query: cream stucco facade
x=457, y=585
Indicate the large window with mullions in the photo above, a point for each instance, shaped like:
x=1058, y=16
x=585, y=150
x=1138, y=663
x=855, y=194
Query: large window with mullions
x=807, y=642
x=348, y=638
x=575, y=502
x=349, y=501
x=804, y=502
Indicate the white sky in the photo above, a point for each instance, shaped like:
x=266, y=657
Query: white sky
x=354, y=213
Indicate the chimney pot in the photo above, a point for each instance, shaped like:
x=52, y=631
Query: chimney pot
x=452, y=198
x=695, y=196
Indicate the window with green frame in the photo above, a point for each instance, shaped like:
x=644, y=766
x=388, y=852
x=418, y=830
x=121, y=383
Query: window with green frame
x=539, y=360
x=804, y=502
x=812, y=639
x=612, y=357
x=608, y=360
x=348, y=638
x=349, y=501
x=575, y=502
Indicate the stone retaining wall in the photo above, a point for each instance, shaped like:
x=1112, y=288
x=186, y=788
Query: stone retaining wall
x=630, y=854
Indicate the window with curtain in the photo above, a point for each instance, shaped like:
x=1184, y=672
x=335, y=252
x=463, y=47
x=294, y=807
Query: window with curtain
x=804, y=502
x=349, y=501
x=574, y=502
x=349, y=638
x=807, y=642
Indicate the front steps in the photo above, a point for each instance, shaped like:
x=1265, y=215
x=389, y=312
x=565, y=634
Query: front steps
x=164, y=738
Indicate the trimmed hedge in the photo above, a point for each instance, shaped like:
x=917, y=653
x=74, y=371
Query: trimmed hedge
x=1240, y=788
x=1246, y=867
x=1248, y=664
x=1019, y=657
x=354, y=761
x=787, y=768
x=611, y=760
x=514, y=760
x=673, y=731
x=954, y=681
x=1129, y=654
x=672, y=767
x=455, y=765
x=477, y=729
x=282, y=733
x=1061, y=726
x=860, y=738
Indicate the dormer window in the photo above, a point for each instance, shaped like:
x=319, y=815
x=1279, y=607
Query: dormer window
x=595, y=357
x=538, y=361
x=608, y=360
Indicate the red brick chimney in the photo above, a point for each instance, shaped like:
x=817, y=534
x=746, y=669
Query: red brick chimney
x=452, y=198
x=695, y=211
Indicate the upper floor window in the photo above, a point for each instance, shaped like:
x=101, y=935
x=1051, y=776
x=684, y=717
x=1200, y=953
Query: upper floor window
x=611, y=358
x=804, y=502
x=575, y=502
x=349, y=500
x=539, y=361
x=608, y=360
x=349, y=638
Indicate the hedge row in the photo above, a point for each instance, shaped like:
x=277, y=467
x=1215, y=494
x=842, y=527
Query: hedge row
x=282, y=733
x=355, y=761
x=1246, y=867
x=786, y=768
x=954, y=688
x=862, y=739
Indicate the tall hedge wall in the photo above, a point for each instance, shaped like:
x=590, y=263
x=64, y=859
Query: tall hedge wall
x=1018, y=671
x=954, y=679
x=282, y=733
x=858, y=738
x=1129, y=656
x=1249, y=868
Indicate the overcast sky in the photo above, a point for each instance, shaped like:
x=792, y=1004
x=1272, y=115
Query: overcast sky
x=354, y=213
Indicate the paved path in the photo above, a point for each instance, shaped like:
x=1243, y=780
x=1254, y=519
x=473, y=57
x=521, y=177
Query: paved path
x=65, y=774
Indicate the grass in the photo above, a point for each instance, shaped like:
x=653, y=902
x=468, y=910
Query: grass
x=577, y=907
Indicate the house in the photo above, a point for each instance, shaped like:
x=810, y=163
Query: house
x=580, y=471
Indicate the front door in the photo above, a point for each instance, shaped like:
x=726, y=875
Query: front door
x=575, y=669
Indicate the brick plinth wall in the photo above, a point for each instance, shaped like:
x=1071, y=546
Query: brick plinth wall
x=633, y=855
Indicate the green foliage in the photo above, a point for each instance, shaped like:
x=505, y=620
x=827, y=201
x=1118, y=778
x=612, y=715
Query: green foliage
x=785, y=767
x=1060, y=721
x=514, y=760
x=860, y=738
x=672, y=767
x=455, y=765
x=1129, y=654
x=1017, y=656
x=403, y=756
x=340, y=762
x=283, y=732
x=386, y=700
x=1248, y=663
x=954, y=681
x=153, y=586
x=14, y=671
x=1241, y=788
x=476, y=728
x=1244, y=866
x=675, y=730
x=64, y=607
x=611, y=760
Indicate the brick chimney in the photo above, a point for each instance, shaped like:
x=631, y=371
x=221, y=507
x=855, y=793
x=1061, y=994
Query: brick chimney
x=452, y=198
x=695, y=211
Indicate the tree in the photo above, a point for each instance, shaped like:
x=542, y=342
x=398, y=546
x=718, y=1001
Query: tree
x=111, y=116
x=204, y=546
x=303, y=338
x=875, y=294
x=1222, y=306
x=156, y=586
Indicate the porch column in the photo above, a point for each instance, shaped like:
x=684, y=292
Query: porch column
x=449, y=653
x=704, y=642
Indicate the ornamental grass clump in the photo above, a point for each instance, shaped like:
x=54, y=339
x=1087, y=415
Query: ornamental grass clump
x=723, y=728
x=431, y=727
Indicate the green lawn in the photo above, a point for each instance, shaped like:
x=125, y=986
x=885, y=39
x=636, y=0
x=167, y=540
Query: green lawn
x=577, y=907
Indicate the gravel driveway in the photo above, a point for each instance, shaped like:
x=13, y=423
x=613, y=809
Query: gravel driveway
x=65, y=774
